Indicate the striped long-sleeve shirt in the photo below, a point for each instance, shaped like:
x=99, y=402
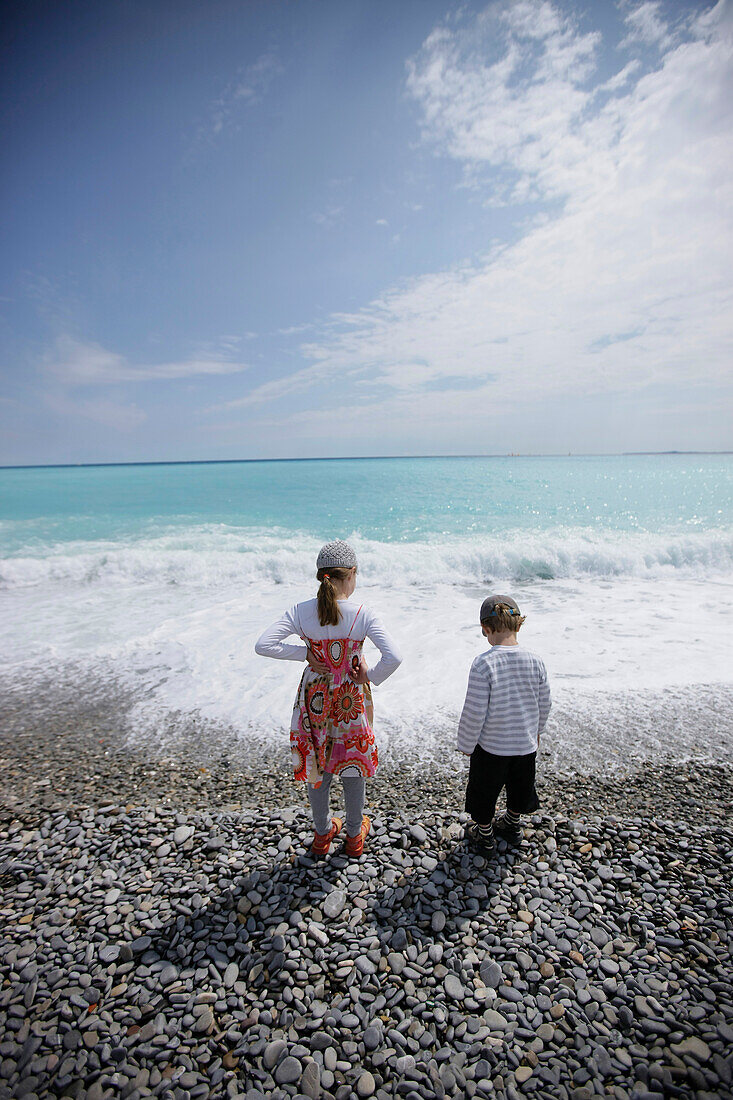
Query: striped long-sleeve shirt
x=507, y=703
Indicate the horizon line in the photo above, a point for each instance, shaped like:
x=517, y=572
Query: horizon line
x=346, y=458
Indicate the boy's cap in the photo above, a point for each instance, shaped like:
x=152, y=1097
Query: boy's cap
x=489, y=605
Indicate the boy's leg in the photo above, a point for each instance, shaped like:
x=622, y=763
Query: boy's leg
x=486, y=775
x=508, y=827
x=320, y=807
x=521, y=797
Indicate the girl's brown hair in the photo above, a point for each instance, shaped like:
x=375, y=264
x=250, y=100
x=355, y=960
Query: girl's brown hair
x=503, y=617
x=329, y=612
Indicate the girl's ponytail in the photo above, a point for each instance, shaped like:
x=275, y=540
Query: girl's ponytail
x=329, y=612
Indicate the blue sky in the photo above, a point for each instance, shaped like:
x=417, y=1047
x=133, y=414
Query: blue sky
x=286, y=229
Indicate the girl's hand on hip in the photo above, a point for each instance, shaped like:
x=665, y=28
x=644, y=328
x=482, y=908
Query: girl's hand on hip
x=360, y=673
x=318, y=666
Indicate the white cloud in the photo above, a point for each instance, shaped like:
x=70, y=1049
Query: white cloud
x=619, y=79
x=297, y=330
x=118, y=416
x=247, y=89
x=645, y=25
x=331, y=216
x=298, y=382
x=623, y=283
x=76, y=363
x=509, y=92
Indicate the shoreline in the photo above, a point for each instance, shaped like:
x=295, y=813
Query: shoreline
x=167, y=935
x=49, y=729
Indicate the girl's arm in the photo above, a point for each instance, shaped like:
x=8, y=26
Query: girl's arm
x=391, y=658
x=270, y=643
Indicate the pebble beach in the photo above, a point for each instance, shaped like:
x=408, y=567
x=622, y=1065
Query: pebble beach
x=167, y=934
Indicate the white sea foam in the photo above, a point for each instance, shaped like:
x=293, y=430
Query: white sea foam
x=215, y=557
x=182, y=635
x=98, y=574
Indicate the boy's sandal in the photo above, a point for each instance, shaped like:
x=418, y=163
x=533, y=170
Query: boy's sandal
x=355, y=844
x=477, y=841
x=322, y=841
x=512, y=834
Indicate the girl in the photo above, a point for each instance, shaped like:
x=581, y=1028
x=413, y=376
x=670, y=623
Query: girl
x=331, y=729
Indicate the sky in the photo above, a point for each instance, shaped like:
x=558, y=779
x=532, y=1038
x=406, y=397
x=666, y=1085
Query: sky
x=301, y=228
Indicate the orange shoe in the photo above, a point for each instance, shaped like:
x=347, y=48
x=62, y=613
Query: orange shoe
x=322, y=841
x=355, y=844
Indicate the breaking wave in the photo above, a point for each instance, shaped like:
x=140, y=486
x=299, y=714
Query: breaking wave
x=218, y=557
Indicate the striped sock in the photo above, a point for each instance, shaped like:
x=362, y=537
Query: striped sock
x=486, y=832
x=512, y=818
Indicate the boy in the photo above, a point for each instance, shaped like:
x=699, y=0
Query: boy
x=506, y=708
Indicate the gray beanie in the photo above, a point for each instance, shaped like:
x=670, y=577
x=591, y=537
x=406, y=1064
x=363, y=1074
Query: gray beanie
x=336, y=555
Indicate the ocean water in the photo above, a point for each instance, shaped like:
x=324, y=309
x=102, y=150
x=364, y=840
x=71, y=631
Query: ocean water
x=161, y=577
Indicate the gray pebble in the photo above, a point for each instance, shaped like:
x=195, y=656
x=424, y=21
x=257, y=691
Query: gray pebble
x=490, y=973
x=372, y=1037
x=335, y=903
x=288, y=1071
x=310, y=1082
x=454, y=987
x=274, y=1052
x=438, y=921
x=365, y=1085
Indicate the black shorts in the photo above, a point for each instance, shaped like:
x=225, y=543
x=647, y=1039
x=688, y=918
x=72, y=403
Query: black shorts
x=489, y=773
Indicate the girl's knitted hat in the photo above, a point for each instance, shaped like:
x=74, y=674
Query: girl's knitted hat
x=336, y=555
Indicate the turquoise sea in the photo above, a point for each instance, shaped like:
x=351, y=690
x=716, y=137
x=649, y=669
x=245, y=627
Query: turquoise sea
x=163, y=575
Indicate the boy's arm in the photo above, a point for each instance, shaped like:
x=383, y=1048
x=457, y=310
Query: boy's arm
x=544, y=701
x=474, y=710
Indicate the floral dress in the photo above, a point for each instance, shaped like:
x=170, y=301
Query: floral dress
x=331, y=729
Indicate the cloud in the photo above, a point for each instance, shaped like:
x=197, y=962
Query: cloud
x=296, y=330
x=76, y=363
x=110, y=414
x=646, y=26
x=622, y=281
x=278, y=388
x=331, y=216
x=248, y=88
x=508, y=92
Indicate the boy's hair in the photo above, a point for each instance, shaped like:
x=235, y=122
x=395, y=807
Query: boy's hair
x=503, y=617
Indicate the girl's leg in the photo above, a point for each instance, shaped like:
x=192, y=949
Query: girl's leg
x=354, y=790
x=320, y=807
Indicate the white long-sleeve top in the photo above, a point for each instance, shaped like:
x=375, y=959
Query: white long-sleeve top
x=507, y=702
x=357, y=621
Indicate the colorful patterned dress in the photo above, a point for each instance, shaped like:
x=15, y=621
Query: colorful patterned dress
x=331, y=728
